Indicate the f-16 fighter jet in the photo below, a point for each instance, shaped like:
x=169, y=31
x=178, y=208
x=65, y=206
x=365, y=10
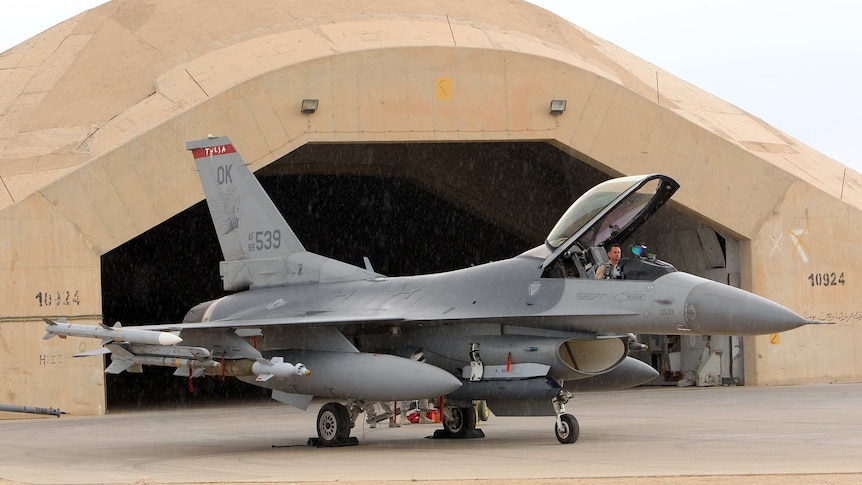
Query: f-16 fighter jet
x=522, y=334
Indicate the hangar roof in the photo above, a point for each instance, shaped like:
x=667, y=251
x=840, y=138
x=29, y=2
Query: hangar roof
x=97, y=80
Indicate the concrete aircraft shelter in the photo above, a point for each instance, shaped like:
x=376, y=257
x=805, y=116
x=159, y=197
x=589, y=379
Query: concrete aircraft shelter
x=450, y=97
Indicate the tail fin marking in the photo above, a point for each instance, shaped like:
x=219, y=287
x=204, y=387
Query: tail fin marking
x=249, y=225
x=259, y=247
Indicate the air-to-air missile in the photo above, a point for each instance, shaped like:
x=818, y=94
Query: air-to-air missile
x=117, y=333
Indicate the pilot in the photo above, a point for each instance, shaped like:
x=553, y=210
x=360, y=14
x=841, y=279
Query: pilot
x=610, y=270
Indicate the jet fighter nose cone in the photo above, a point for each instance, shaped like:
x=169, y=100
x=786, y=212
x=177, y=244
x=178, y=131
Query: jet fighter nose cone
x=716, y=309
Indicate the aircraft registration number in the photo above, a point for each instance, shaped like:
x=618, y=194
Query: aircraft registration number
x=263, y=240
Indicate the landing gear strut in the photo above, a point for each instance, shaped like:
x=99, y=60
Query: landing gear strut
x=566, y=428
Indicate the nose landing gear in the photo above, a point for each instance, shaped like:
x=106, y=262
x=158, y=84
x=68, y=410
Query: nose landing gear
x=566, y=428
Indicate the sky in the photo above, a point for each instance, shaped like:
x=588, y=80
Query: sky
x=796, y=64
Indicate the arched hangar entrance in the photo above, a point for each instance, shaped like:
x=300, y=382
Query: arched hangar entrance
x=410, y=208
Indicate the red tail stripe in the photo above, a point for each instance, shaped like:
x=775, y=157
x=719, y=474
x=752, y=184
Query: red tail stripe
x=212, y=151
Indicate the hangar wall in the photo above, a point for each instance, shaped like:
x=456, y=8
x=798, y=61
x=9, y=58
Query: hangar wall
x=735, y=171
x=804, y=251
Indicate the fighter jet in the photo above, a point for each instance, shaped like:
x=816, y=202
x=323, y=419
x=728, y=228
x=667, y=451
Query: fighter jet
x=523, y=334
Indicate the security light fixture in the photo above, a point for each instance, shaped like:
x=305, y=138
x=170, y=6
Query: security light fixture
x=309, y=106
x=558, y=106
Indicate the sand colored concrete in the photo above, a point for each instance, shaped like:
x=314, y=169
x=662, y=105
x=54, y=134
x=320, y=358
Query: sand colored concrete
x=756, y=435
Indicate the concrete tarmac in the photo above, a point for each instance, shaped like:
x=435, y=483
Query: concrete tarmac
x=707, y=435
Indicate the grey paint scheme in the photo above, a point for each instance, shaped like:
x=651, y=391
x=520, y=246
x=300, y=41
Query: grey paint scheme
x=579, y=327
x=367, y=336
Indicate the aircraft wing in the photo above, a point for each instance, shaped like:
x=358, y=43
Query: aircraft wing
x=323, y=318
x=350, y=319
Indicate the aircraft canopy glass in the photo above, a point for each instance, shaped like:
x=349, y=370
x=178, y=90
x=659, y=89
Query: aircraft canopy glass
x=610, y=212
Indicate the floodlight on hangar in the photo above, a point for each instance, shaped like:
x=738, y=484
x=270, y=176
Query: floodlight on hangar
x=558, y=106
x=309, y=106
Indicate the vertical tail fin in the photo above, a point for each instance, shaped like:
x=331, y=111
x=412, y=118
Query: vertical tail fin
x=248, y=224
x=251, y=231
x=259, y=248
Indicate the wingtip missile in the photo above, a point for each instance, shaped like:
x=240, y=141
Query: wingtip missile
x=117, y=333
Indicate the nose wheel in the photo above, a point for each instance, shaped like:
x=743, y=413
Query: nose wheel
x=566, y=428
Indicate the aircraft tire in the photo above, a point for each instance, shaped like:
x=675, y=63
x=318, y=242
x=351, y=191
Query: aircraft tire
x=333, y=424
x=463, y=421
x=569, y=431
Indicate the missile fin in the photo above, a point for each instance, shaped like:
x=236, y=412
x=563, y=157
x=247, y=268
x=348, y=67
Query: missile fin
x=90, y=353
x=119, y=351
x=186, y=372
x=119, y=366
x=50, y=323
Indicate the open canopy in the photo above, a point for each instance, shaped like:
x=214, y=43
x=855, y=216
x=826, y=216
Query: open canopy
x=609, y=212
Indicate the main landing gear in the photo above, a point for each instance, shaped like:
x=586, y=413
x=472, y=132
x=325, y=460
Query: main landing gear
x=459, y=422
x=566, y=428
x=335, y=420
x=333, y=426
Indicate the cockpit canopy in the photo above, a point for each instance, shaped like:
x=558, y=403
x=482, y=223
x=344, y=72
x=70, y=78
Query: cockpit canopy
x=608, y=213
